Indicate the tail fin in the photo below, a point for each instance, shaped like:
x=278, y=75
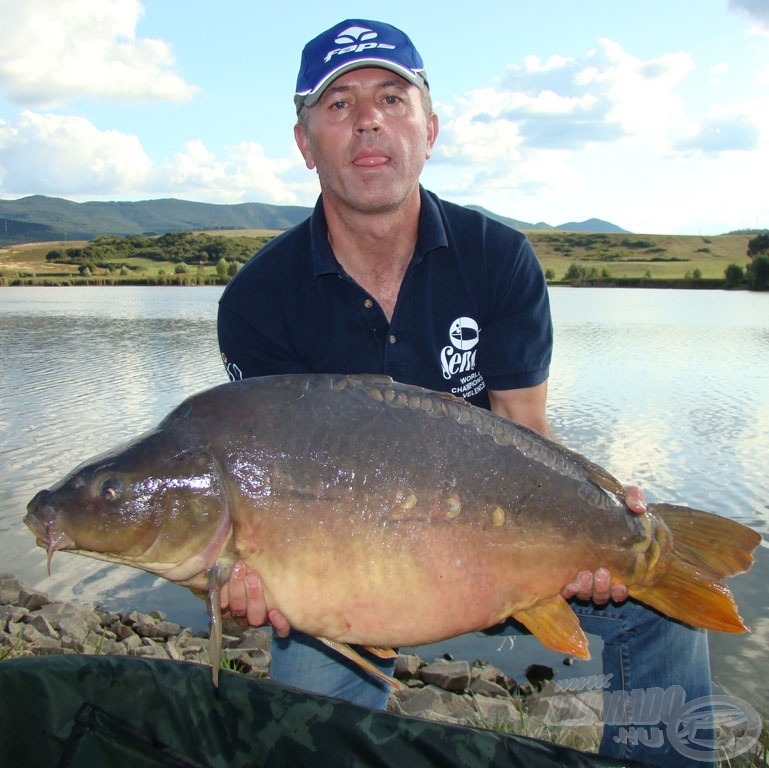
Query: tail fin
x=707, y=549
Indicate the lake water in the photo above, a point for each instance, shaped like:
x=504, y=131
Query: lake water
x=667, y=389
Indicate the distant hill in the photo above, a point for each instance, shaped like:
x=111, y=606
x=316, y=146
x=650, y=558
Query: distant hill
x=591, y=225
x=35, y=218
x=39, y=218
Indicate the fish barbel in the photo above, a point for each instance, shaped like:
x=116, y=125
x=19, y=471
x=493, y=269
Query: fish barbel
x=383, y=515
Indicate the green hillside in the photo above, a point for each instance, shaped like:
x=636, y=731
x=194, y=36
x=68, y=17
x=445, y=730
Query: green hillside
x=37, y=218
x=186, y=258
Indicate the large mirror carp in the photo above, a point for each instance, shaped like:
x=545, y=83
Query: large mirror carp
x=384, y=515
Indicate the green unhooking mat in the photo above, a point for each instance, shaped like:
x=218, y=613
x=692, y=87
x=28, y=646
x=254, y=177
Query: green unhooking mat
x=92, y=711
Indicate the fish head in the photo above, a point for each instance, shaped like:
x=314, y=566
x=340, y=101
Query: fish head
x=158, y=503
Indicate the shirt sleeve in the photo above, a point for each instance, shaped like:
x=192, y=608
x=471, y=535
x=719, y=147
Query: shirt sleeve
x=249, y=348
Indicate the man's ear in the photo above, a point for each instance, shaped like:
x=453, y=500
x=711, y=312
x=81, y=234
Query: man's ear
x=432, y=133
x=300, y=136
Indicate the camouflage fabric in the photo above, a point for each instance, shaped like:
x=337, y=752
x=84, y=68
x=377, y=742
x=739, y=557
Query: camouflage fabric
x=86, y=711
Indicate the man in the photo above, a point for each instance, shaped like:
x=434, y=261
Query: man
x=386, y=278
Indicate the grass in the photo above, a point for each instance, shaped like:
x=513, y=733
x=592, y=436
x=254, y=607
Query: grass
x=587, y=738
x=664, y=257
x=661, y=258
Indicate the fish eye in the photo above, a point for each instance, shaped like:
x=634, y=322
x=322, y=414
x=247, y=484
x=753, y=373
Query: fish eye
x=112, y=489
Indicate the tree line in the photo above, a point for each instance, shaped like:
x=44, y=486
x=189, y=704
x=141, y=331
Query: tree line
x=228, y=254
x=756, y=273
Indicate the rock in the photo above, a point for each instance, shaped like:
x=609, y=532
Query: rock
x=41, y=624
x=255, y=639
x=35, y=638
x=14, y=591
x=10, y=614
x=57, y=613
x=151, y=651
x=570, y=710
x=255, y=664
x=538, y=675
x=106, y=618
x=156, y=629
x=32, y=599
x=485, y=671
x=487, y=688
x=122, y=631
x=407, y=665
x=449, y=675
x=134, y=617
x=496, y=713
x=10, y=587
x=426, y=699
x=131, y=642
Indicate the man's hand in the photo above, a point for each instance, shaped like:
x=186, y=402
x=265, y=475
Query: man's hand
x=597, y=586
x=242, y=601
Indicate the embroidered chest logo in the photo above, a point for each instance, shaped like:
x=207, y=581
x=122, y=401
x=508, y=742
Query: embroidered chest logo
x=458, y=357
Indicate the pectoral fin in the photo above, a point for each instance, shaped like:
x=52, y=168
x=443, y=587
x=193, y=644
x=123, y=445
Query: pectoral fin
x=351, y=654
x=381, y=653
x=217, y=575
x=556, y=626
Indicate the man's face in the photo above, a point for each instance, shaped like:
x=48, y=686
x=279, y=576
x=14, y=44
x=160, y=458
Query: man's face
x=368, y=138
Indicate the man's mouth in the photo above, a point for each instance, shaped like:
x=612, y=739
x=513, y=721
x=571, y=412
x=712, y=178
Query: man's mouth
x=370, y=160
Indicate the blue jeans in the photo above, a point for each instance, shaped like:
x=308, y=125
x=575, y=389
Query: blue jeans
x=650, y=663
x=303, y=662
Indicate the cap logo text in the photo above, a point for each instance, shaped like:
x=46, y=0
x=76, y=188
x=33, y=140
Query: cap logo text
x=355, y=40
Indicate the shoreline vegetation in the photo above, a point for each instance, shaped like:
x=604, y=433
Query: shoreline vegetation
x=616, y=260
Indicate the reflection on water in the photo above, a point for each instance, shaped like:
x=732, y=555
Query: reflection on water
x=666, y=389
x=83, y=370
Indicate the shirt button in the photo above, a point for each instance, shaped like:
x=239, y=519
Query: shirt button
x=392, y=339
x=368, y=303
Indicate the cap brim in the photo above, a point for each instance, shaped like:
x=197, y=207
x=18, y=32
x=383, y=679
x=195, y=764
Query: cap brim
x=309, y=98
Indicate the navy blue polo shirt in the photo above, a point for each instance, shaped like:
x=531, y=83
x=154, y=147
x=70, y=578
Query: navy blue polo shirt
x=472, y=311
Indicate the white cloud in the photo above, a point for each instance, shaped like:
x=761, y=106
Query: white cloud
x=56, y=154
x=758, y=10
x=245, y=173
x=723, y=134
x=607, y=134
x=51, y=154
x=528, y=134
x=52, y=51
x=568, y=103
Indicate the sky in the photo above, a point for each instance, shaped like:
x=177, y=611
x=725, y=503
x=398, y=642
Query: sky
x=652, y=114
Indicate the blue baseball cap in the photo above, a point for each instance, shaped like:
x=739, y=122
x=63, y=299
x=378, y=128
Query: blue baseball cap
x=353, y=44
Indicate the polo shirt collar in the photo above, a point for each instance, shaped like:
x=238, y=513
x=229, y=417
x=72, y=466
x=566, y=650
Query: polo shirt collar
x=432, y=235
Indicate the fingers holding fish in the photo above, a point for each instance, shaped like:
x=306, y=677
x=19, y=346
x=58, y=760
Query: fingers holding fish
x=234, y=600
x=242, y=601
x=634, y=499
x=596, y=587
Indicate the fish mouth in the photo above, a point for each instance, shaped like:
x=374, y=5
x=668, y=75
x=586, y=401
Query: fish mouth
x=41, y=519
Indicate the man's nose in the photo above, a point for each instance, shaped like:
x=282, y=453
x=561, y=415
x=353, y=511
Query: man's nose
x=368, y=117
